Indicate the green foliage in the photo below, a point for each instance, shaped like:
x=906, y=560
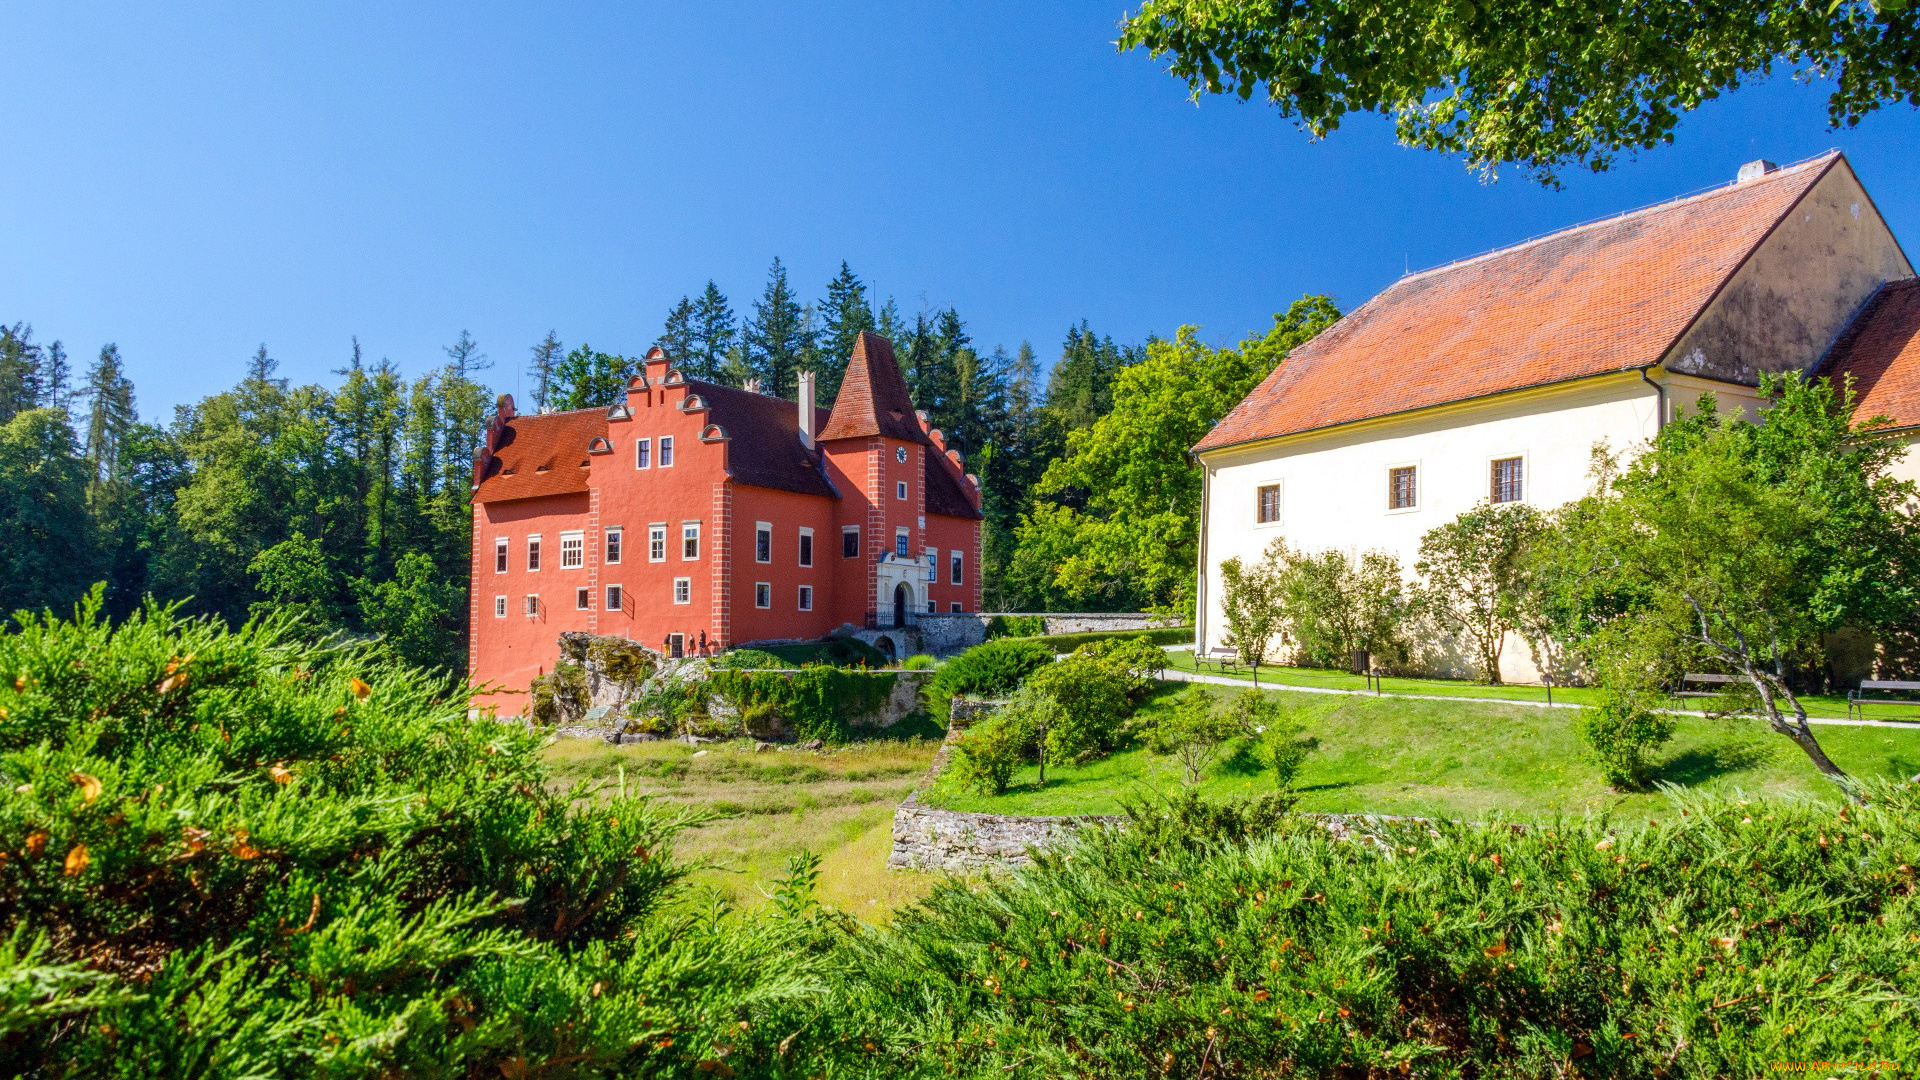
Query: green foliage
x=1162, y=635
x=748, y=660
x=1622, y=733
x=588, y=379
x=1740, y=934
x=233, y=855
x=1096, y=690
x=1252, y=603
x=1194, y=730
x=1336, y=603
x=48, y=556
x=919, y=662
x=1472, y=568
x=1537, y=87
x=1016, y=626
x=987, y=756
x=994, y=668
x=814, y=702
x=1281, y=742
x=1185, y=821
x=1125, y=533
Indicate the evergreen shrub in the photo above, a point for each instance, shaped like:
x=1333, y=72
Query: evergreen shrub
x=1016, y=626
x=997, y=667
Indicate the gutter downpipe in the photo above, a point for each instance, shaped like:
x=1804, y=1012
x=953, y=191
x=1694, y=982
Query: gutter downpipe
x=1660, y=396
x=1200, y=571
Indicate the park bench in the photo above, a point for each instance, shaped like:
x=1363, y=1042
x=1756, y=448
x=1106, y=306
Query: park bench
x=1221, y=656
x=1694, y=678
x=1857, y=699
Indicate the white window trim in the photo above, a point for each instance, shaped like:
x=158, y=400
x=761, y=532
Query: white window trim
x=615, y=545
x=1526, y=477
x=933, y=565
x=665, y=452
x=502, y=555
x=954, y=607
x=805, y=549
x=684, y=526
x=583, y=598
x=683, y=585
x=614, y=598
x=534, y=552
x=1280, y=520
x=806, y=598
x=763, y=591
x=579, y=540
x=901, y=539
x=499, y=607
x=659, y=528
x=900, y=490
x=531, y=605
x=960, y=558
x=845, y=531
x=642, y=447
x=760, y=529
x=1419, y=486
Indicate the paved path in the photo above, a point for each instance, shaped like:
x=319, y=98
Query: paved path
x=1175, y=675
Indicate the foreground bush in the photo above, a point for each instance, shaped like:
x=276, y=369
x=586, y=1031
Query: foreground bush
x=226, y=854
x=997, y=667
x=1714, y=944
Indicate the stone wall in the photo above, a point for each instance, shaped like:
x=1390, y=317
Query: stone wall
x=944, y=634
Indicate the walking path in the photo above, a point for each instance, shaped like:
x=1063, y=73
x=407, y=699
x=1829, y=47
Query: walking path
x=1176, y=675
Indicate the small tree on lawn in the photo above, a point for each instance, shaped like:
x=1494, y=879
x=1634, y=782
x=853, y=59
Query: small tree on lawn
x=1337, y=603
x=1281, y=740
x=1250, y=603
x=1195, y=731
x=1471, y=566
x=1743, y=546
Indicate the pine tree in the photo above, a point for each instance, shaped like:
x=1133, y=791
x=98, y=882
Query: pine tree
x=110, y=417
x=954, y=362
x=464, y=356
x=888, y=324
x=260, y=369
x=55, y=376
x=775, y=338
x=919, y=356
x=1080, y=387
x=587, y=379
x=677, y=337
x=546, y=356
x=713, y=335
x=19, y=371
x=844, y=313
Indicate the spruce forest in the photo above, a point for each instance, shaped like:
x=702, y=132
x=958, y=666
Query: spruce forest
x=347, y=505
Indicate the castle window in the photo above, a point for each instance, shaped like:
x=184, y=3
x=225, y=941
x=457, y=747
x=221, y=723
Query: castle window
x=689, y=541
x=900, y=490
x=573, y=550
x=682, y=590
x=762, y=594
x=657, y=542
x=1403, y=488
x=666, y=451
x=614, y=598
x=1269, y=496
x=533, y=603
x=956, y=568
x=1506, y=480
x=533, y=552
x=933, y=565
x=806, y=598
x=954, y=607
x=762, y=542
x=900, y=543
x=850, y=542
x=582, y=599
x=499, y=607
x=806, y=547
x=643, y=453
x=613, y=544
x=500, y=555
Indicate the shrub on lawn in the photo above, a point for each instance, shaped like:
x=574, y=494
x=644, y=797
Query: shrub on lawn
x=748, y=660
x=1097, y=689
x=1194, y=730
x=919, y=662
x=1622, y=732
x=814, y=703
x=1165, y=635
x=996, y=667
x=1712, y=944
x=1016, y=626
x=1281, y=742
x=228, y=853
x=988, y=755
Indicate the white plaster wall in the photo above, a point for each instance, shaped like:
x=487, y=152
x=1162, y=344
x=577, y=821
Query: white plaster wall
x=1907, y=466
x=1334, y=484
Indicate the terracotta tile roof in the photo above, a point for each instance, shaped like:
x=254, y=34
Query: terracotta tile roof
x=540, y=455
x=763, y=439
x=1605, y=297
x=947, y=489
x=1881, y=351
x=873, y=398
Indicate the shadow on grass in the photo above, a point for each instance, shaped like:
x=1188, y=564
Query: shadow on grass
x=1302, y=789
x=1691, y=768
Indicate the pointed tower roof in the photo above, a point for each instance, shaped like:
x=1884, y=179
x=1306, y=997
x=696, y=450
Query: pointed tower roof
x=873, y=398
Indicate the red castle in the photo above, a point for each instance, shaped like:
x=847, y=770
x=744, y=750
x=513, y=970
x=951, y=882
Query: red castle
x=691, y=517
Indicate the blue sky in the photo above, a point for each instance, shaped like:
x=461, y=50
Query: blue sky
x=191, y=180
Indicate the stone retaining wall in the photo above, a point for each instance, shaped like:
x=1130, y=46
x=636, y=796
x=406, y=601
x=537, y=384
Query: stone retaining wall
x=943, y=634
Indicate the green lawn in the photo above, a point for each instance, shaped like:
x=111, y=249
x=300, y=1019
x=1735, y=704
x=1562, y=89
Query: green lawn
x=1463, y=760
x=1821, y=705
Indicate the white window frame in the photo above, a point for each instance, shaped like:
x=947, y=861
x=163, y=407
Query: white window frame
x=500, y=607
x=666, y=451
x=531, y=605
x=956, y=567
x=902, y=543
x=573, y=543
x=846, y=531
x=1280, y=515
x=900, y=490
x=803, y=548
x=689, y=534
x=763, y=541
x=657, y=542
x=954, y=607
x=1387, y=476
x=642, y=454
x=616, y=598
x=583, y=598
x=933, y=564
x=806, y=598
x=615, y=545
x=534, y=554
x=502, y=550
x=1526, y=469
x=763, y=594
x=933, y=606
x=683, y=590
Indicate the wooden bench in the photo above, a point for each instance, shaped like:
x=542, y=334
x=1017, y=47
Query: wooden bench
x=1221, y=656
x=1698, y=678
x=1857, y=699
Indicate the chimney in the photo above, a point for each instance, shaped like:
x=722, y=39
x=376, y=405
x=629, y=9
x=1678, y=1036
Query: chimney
x=1754, y=170
x=752, y=385
x=806, y=409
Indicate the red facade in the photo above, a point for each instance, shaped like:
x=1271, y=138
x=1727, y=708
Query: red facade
x=694, y=515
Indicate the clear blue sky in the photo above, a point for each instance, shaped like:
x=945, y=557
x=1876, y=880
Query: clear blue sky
x=191, y=180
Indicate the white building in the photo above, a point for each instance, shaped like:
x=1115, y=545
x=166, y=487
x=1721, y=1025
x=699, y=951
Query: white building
x=1494, y=377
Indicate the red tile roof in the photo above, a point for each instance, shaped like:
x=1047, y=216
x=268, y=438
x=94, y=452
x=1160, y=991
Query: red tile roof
x=540, y=455
x=763, y=439
x=947, y=489
x=873, y=398
x=1610, y=296
x=1881, y=351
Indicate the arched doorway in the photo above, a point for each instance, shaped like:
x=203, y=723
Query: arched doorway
x=885, y=645
x=902, y=603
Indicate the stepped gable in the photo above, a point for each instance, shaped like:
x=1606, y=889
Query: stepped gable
x=543, y=454
x=873, y=397
x=1611, y=296
x=763, y=439
x=1880, y=350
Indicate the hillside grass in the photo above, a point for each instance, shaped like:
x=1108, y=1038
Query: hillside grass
x=1455, y=760
x=1825, y=706
x=770, y=805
